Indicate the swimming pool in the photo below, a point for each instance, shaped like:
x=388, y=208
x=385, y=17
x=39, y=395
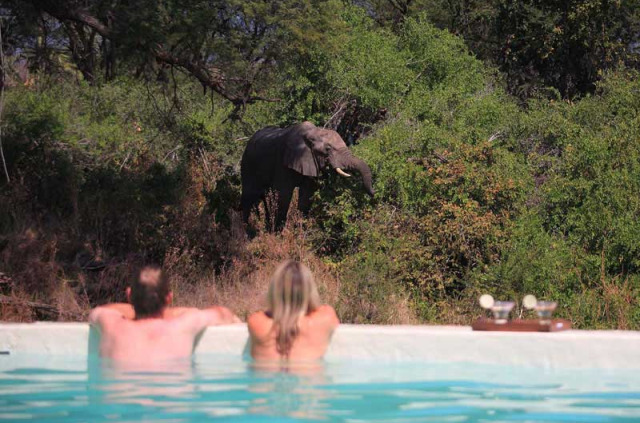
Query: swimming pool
x=50, y=389
x=48, y=373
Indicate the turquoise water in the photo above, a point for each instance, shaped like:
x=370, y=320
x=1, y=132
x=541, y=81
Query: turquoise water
x=208, y=388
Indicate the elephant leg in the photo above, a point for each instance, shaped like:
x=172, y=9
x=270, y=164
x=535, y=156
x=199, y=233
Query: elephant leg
x=284, y=199
x=267, y=212
x=307, y=188
x=284, y=183
x=249, y=200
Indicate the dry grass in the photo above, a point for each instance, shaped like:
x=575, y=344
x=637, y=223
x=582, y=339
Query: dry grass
x=37, y=284
x=242, y=284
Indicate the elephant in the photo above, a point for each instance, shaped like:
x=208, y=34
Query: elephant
x=281, y=159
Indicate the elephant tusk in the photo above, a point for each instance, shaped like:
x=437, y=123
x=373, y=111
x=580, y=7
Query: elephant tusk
x=342, y=172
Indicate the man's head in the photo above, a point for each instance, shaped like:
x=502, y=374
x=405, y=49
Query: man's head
x=150, y=293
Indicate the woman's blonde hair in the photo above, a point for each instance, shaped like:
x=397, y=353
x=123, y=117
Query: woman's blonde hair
x=292, y=294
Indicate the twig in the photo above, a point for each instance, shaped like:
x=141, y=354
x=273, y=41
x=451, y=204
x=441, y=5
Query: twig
x=2, y=72
x=495, y=136
x=440, y=157
x=173, y=150
x=343, y=104
x=334, y=115
x=204, y=161
x=126, y=159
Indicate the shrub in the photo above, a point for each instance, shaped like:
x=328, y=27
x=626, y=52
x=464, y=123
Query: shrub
x=473, y=192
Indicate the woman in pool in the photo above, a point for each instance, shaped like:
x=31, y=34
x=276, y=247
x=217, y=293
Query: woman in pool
x=296, y=326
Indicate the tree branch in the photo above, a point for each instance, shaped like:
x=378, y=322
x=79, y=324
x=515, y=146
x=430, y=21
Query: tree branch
x=209, y=76
x=55, y=9
x=44, y=308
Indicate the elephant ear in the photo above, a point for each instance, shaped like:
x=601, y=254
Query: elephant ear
x=298, y=155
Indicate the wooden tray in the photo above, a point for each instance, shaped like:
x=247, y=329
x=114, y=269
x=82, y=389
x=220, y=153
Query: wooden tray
x=556, y=325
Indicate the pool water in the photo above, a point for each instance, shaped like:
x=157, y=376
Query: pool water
x=51, y=389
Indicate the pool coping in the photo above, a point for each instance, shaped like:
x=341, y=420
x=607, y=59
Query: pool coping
x=438, y=344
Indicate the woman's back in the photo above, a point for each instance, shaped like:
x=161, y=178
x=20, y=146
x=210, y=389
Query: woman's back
x=296, y=326
x=311, y=342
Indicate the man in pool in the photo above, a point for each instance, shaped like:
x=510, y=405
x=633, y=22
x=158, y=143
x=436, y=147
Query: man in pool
x=148, y=330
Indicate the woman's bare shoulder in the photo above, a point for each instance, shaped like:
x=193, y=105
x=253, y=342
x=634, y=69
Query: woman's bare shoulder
x=259, y=322
x=326, y=314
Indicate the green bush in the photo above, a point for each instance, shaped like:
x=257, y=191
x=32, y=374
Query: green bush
x=475, y=192
x=477, y=195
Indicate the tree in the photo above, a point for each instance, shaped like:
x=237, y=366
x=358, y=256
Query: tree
x=566, y=45
x=227, y=46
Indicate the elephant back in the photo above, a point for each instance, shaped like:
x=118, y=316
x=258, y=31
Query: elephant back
x=263, y=152
x=267, y=135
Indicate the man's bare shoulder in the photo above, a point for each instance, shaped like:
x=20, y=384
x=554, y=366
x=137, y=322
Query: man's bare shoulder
x=105, y=316
x=187, y=320
x=187, y=314
x=171, y=312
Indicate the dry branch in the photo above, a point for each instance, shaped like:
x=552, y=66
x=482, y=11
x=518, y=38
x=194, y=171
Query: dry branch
x=42, y=307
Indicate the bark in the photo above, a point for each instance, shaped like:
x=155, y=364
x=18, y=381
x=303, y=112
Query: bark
x=81, y=45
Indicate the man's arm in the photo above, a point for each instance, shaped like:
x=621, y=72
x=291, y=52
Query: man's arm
x=219, y=315
x=197, y=320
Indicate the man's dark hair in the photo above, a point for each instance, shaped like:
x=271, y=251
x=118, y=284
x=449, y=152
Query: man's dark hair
x=149, y=291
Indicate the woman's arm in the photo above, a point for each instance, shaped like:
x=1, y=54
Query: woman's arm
x=328, y=316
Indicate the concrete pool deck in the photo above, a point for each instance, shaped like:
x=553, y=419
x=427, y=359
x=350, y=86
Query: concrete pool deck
x=446, y=344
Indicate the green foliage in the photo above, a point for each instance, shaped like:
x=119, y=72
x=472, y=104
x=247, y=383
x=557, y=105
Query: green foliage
x=552, y=269
x=567, y=45
x=470, y=188
x=474, y=192
x=34, y=116
x=579, y=234
x=591, y=151
x=115, y=160
x=370, y=67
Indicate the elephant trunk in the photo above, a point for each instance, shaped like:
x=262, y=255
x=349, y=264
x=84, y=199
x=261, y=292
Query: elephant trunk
x=355, y=163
